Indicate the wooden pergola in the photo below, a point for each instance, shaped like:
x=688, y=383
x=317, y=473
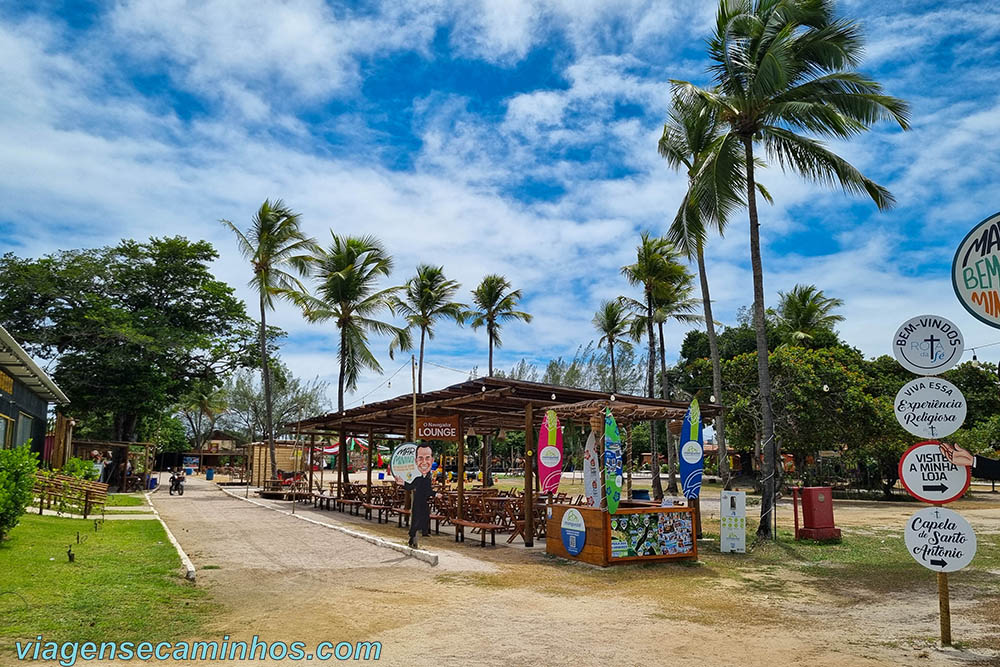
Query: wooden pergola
x=485, y=404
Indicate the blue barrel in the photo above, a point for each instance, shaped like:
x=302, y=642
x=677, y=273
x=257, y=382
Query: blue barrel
x=640, y=494
x=381, y=475
x=210, y=474
x=152, y=483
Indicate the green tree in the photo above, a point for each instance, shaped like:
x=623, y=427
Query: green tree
x=130, y=328
x=612, y=321
x=275, y=246
x=656, y=268
x=17, y=478
x=712, y=158
x=427, y=297
x=782, y=67
x=494, y=302
x=347, y=292
x=291, y=399
x=201, y=408
x=805, y=312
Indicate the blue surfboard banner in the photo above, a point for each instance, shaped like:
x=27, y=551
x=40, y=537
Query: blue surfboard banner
x=692, y=452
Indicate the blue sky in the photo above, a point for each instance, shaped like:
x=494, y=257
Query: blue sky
x=515, y=136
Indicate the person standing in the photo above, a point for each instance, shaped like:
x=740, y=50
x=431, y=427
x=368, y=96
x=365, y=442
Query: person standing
x=982, y=467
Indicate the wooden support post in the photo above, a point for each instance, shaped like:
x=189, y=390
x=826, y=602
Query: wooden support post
x=628, y=449
x=341, y=467
x=529, y=457
x=371, y=446
x=944, y=604
x=461, y=467
x=312, y=456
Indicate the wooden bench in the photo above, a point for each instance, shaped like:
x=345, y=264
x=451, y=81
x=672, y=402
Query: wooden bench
x=69, y=490
x=320, y=499
x=478, y=517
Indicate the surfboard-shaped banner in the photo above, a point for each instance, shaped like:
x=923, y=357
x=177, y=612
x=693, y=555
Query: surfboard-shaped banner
x=591, y=472
x=612, y=461
x=550, y=453
x=692, y=458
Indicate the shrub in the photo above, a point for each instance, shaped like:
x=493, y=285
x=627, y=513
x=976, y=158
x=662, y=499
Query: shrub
x=79, y=468
x=17, y=477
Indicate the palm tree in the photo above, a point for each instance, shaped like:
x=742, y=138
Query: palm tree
x=804, y=312
x=347, y=275
x=712, y=158
x=672, y=300
x=655, y=267
x=201, y=404
x=782, y=67
x=427, y=298
x=612, y=322
x=495, y=303
x=273, y=244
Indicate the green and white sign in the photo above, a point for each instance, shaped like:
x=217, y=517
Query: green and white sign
x=975, y=271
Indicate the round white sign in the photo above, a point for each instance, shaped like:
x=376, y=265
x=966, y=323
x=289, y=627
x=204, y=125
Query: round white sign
x=975, y=271
x=929, y=476
x=928, y=344
x=404, y=462
x=940, y=539
x=550, y=456
x=691, y=451
x=930, y=407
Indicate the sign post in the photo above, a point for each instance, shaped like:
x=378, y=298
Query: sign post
x=929, y=407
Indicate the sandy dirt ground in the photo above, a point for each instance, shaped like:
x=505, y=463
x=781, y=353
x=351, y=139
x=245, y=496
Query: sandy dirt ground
x=285, y=579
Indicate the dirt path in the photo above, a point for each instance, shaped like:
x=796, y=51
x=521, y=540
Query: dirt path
x=285, y=579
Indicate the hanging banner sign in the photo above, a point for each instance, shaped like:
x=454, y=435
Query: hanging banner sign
x=550, y=453
x=928, y=344
x=437, y=428
x=928, y=475
x=930, y=407
x=940, y=539
x=573, y=532
x=692, y=452
x=404, y=462
x=733, y=522
x=975, y=271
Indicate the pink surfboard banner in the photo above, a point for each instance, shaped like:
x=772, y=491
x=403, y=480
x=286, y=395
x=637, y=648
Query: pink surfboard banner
x=550, y=453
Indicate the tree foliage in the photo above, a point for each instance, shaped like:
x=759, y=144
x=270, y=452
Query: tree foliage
x=17, y=477
x=129, y=328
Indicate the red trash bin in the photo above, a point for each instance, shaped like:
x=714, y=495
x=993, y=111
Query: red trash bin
x=817, y=513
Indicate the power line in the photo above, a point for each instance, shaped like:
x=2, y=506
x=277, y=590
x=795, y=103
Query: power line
x=448, y=368
x=388, y=379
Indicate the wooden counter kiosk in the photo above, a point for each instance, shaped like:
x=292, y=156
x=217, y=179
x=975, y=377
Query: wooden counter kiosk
x=637, y=532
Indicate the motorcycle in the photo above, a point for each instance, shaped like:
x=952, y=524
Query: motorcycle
x=177, y=483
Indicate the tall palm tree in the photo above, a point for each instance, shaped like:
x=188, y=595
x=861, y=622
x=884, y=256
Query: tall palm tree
x=805, y=311
x=655, y=266
x=495, y=303
x=712, y=158
x=347, y=292
x=783, y=67
x=612, y=321
x=427, y=297
x=672, y=300
x=275, y=246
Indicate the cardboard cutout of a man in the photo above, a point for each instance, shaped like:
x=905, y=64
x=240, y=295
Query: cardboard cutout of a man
x=982, y=467
x=420, y=511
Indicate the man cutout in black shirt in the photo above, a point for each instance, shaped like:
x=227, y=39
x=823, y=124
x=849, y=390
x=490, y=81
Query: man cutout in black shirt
x=420, y=512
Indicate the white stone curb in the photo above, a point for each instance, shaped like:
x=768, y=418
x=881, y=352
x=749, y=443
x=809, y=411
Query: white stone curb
x=419, y=554
x=189, y=573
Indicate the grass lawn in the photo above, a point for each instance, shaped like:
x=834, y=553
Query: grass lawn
x=124, y=586
x=125, y=500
